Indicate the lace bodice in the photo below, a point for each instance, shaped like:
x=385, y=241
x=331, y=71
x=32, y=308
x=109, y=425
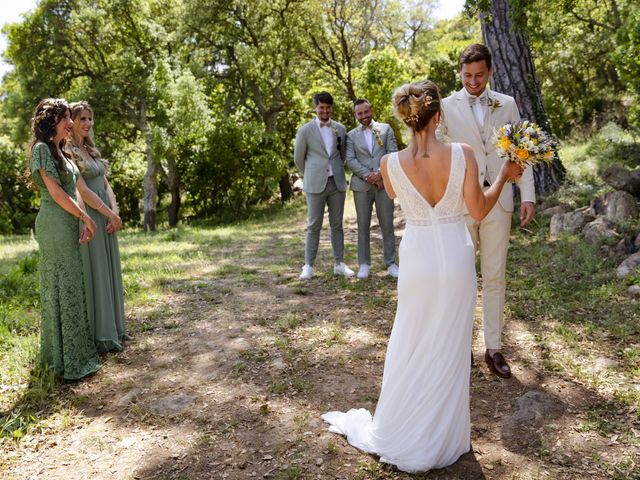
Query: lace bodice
x=417, y=210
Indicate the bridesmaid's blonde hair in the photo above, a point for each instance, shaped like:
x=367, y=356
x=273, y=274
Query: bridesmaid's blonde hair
x=76, y=109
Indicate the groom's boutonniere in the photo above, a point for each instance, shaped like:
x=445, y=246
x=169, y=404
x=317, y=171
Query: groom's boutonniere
x=493, y=104
x=335, y=134
x=376, y=133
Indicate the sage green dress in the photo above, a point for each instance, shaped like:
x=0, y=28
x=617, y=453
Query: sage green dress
x=101, y=263
x=66, y=343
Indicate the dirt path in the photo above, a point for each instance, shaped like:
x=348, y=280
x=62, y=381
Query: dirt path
x=227, y=378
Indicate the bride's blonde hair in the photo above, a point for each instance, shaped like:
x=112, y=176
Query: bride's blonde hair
x=415, y=104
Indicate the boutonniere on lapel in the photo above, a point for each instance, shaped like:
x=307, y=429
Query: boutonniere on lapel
x=376, y=133
x=493, y=104
x=335, y=134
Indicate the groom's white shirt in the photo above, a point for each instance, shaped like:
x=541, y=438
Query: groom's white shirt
x=459, y=125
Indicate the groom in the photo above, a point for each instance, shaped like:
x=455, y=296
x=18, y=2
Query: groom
x=319, y=154
x=366, y=145
x=471, y=116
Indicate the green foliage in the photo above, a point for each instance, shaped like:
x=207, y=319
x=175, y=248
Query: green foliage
x=581, y=51
x=627, y=58
x=614, y=146
x=16, y=210
x=239, y=166
x=204, y=97
x=381, y=73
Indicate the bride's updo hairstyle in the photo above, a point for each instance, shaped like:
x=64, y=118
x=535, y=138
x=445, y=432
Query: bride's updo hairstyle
x=415, y=104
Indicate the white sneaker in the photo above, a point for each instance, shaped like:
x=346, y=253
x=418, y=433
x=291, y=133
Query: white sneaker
x=364, y=271
x=393, y=270
x=342, y=269
x=307, y=273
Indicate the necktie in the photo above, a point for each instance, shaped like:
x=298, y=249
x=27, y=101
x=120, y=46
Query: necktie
x=325, y=124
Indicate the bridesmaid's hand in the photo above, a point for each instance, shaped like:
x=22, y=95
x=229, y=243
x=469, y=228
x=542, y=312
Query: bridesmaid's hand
x=88, y=230
x=85, y=235
x=114, y=223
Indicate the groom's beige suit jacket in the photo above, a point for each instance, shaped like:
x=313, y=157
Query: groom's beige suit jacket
x=459, y=125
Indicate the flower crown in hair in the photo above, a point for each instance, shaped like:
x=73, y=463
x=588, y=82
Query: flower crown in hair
x=47, y=109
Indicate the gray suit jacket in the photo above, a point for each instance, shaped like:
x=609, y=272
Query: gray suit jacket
x=361, y=161
x=311, y=158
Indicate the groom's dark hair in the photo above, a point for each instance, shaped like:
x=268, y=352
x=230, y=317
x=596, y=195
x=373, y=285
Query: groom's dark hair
x=322, y=97
x=475, y=52
x=360, y=101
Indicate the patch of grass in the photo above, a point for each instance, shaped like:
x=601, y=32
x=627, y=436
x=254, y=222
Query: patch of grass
x=281, y=343
x=254, y=355
x=301, y=421
x=278, y=386
x=37, y=401
x=288, y=321
x=375, y=302
x=301, y=384
x=335, y=335
x=292, y=472
x=331, y=448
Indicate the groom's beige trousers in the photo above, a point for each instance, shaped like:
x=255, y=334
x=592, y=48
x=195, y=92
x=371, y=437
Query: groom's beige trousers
x=491, y=236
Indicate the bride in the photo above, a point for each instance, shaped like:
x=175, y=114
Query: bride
x=422, y=417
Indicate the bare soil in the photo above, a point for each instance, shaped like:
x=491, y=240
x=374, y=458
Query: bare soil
x=228, y=377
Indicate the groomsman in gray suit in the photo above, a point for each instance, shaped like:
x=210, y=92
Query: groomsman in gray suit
x=366, y=144
x=319, y=155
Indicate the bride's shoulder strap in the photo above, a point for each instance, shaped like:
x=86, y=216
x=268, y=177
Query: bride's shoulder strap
x=458, y=163
x=392, y=169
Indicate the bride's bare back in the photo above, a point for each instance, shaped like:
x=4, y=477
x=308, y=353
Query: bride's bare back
x=429, y=175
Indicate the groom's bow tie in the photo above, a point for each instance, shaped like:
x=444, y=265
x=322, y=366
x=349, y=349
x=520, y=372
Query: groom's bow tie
x=325, y=124
x=473, y=100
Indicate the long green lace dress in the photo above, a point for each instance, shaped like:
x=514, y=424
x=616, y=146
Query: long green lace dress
x=66, y=344
x=101, y=263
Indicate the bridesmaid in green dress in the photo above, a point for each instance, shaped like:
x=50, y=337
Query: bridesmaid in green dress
x=100, y=258
x=66, y=344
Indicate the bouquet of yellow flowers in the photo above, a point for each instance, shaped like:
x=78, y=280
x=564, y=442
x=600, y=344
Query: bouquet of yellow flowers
x=524, y=142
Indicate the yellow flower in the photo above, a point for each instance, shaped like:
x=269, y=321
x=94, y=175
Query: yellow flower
x=548, y=154
x=522, y=153
x=504, y=143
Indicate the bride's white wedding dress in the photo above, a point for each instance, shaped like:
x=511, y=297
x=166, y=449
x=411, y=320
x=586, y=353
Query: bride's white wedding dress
x=422, y=417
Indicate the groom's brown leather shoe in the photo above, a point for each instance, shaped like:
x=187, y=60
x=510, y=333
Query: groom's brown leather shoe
x=497, y=364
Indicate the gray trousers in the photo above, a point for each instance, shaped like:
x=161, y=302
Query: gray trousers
x=384, y=211
x=334, y=199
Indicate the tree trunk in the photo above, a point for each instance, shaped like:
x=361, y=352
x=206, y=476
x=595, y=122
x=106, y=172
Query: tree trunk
x=286, y=192
x=514, y=74
x=173, y=181
x=270, y=119
x=150, y=181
